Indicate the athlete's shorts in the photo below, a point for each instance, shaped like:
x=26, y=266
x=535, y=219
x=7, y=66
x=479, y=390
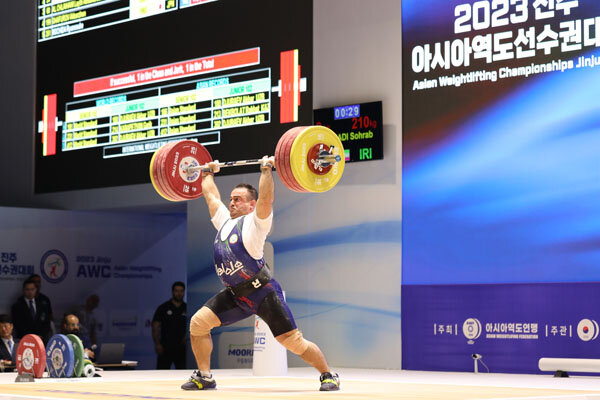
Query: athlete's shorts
x=266, y=302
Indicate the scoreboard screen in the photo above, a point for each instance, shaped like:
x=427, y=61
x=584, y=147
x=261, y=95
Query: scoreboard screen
x=67, y=17
x=359, y=127
x=118, y=79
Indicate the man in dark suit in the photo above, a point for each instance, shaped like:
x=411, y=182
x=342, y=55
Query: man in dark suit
x=37, y=280
x=8, y=344
x=31, y=314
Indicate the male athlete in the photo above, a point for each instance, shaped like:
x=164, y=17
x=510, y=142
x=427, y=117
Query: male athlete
x=249, y=287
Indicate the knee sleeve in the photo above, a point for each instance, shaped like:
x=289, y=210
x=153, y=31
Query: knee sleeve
x=295, y=343
x=203, y=321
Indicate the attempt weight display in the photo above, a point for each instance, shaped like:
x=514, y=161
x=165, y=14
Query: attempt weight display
x=108, y=98
x=359, y=126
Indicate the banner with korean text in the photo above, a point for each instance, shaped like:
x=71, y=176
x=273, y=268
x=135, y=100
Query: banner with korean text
x=501, y=221
x=128, y=260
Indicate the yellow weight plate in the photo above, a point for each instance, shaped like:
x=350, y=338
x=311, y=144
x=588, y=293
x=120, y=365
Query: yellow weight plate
x=154, y=182
x=299, y=163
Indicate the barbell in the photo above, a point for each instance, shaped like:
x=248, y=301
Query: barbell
x=307, y=159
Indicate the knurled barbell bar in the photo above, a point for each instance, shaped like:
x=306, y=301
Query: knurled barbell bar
x=307, y=159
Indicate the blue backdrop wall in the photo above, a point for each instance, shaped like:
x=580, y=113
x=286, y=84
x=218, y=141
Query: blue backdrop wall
x=500, y=176
x=128, y=260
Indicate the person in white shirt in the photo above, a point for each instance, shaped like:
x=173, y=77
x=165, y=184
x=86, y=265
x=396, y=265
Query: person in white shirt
x=249, y=286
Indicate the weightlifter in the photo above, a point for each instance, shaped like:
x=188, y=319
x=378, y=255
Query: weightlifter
x=249, y=287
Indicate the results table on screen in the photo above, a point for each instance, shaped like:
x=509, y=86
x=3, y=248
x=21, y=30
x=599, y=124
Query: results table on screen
x=58, y=18
x=136, y=121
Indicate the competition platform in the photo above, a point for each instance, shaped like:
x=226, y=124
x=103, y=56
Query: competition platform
x=303, y=383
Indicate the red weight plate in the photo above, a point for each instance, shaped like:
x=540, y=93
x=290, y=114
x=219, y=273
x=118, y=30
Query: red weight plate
x=287, y=151
x=183, y=154
x=288, y=165
x=154, y=176
x=156, y=173
x=289, y=139
x=191, y=154
x=169, y=152
x=162, y=173
x=281, y=172
x=31, y=356
x=284, y=167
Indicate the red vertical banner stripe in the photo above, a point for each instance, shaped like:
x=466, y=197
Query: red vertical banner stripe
x=49, y=118
x=299, y=79
x=44, y=124
x=290, y=86
x=285, y=90
x=295, y=85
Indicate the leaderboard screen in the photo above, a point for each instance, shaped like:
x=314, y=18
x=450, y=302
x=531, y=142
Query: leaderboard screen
x=118, y=79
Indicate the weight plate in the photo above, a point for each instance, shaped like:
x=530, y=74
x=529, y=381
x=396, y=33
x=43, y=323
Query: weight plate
x=154, y=177
x=78, y=350
x=299, y=163
x=287, y=160
x=31, y=356
x=284, y=168
x=161, y=173
x=60, y=357
x=277, y=157
x=280, y=160
x=183, y=154
x=88, y=369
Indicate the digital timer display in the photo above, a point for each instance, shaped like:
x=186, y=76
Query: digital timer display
x=359, y=127
x=344, y=112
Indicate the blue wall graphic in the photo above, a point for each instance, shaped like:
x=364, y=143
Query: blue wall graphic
x=501, y=222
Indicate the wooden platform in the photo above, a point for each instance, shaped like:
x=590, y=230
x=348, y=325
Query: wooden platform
x=302, y=383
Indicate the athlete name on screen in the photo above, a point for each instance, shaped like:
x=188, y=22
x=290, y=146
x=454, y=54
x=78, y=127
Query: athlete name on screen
x=520, y=43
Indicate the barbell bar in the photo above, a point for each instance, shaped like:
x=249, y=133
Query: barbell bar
x=307, y=159
x=324, y=159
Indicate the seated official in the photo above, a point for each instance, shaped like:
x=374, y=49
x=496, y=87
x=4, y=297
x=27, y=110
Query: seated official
x=70, y=325
x=8, y=344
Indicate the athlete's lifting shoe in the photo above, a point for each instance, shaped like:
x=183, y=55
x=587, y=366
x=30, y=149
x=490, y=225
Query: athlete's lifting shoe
x=199, y=382
x=329, y=381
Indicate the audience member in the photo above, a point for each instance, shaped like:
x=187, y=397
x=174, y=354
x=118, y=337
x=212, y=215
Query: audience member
x=8, y=344
x=87, y=318
x=70, y=325
x=31, y=314
x=37, y=280
x=169, y=328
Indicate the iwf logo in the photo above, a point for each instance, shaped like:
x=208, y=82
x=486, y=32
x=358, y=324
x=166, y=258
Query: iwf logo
x=587, y=330
x=54, y=266
x=471, y=329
